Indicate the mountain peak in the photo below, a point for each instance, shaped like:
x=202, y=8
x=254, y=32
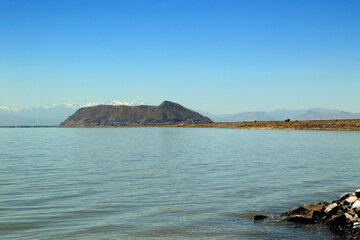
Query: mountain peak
x=169, y=103
x=107, y=115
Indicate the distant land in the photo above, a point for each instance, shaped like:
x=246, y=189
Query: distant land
x=53, y=115
x=48, y=115
x=111, y=116
x=282, y=114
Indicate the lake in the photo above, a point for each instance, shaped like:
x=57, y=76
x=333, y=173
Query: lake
x=168, y=183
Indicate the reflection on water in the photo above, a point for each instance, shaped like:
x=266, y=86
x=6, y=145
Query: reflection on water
x=168, y=183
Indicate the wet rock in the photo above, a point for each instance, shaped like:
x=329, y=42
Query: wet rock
x=340, y=216
x=295, y=211
x=313, y=207
x=310, y=217
x=259, y=217
x=307, y=218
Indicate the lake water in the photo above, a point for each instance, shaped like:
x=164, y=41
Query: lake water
x=168, y=183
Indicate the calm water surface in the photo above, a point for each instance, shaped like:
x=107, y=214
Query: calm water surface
x=168, y=183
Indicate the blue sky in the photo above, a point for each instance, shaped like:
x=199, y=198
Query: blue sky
x=216, y=56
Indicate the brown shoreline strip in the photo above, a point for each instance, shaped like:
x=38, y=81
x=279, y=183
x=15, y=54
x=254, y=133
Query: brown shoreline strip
x=341, y=125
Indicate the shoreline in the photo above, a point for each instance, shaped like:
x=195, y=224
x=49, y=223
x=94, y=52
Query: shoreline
x=338, y=125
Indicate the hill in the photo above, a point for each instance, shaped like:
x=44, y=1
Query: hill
x=107, y=115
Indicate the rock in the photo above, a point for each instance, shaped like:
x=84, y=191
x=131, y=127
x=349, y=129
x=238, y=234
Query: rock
x=346, y=195
x=357, y=193
x=350, y=200
x=313, y=207
x=357, y=210
x=295, y=211
x=350, y=217
x=331, y=208
x=338, y=220
x=259, y=217
x=310, y=217
x=356, y=204
x=340, y=216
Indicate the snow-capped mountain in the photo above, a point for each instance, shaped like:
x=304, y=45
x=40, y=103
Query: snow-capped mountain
x=48, y=114
x=90, y=104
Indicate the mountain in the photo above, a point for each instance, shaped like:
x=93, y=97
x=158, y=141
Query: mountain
x=53, y=115
x=49, y=115
x=282, y=114
x=106, y=115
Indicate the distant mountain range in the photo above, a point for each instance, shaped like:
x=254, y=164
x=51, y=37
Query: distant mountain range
x=280, y=115
x=57, y=113
x=50, y=115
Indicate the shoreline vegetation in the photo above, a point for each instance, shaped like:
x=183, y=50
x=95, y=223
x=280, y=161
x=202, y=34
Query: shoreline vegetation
x=340, y=125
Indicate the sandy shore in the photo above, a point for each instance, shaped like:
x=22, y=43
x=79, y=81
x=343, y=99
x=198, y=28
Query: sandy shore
x=353, y=125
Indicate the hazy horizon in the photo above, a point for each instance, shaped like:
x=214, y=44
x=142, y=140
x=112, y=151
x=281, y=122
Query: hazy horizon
x=77, y=105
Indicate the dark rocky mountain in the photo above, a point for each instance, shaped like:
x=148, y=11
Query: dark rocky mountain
x=107, y=115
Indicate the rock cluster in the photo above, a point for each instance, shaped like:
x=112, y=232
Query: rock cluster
x=341, y=215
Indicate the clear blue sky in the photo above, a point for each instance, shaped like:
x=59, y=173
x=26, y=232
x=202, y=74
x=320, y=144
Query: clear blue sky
x=216, y=56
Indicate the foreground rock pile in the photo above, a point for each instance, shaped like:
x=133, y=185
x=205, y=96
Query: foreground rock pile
x=341, y=216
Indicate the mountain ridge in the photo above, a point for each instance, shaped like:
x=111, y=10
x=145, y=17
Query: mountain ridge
x=54, y=114
x=107, y=115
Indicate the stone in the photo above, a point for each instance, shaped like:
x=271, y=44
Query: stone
x=357, y=193
x=313, y=207
x=340, y=216
x=350, y=200
x=295, y=211
x=337, y=220
x=346, y=195
x=331, y=208
x=349, y=217
x=356, y=204
x=357, y=210
x=307, y=218
x=259, y=217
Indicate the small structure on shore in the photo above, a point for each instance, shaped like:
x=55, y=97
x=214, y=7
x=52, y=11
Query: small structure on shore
x=341, y=215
